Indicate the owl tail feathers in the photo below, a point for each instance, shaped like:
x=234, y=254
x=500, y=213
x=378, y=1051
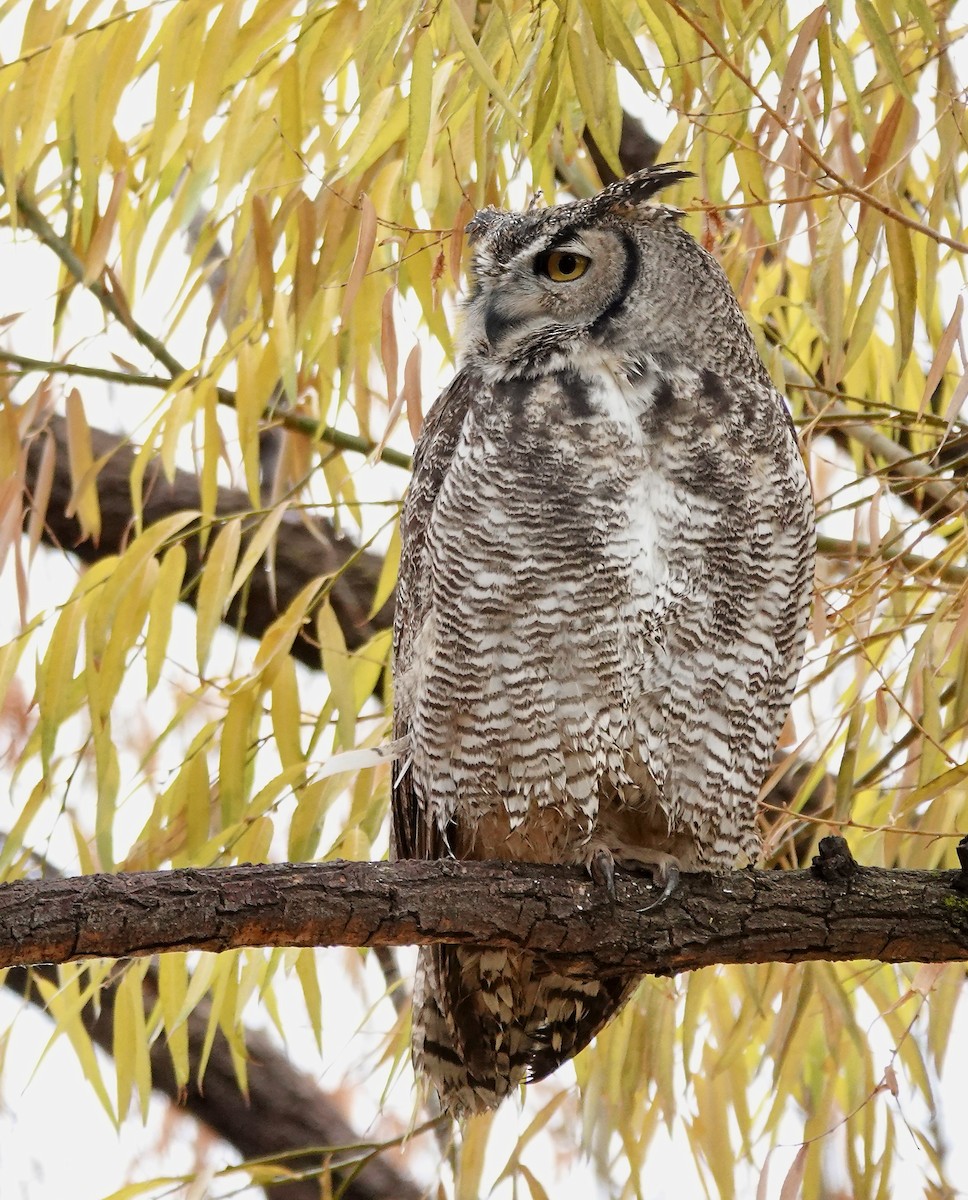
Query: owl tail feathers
x=485, y=1021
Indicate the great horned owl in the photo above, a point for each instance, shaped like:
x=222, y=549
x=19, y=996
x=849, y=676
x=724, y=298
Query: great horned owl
x=604, y=590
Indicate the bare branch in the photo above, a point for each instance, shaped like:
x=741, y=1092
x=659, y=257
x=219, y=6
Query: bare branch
x=558, y=913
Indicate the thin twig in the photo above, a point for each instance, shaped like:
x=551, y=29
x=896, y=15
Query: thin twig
x=296, y=422
x=851, y=189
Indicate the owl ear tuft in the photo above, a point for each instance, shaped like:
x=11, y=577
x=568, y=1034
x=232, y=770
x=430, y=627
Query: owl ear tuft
x=626, y=195
x=481, y=221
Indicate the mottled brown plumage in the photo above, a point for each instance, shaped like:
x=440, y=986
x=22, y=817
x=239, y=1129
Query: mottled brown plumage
x=604, y=589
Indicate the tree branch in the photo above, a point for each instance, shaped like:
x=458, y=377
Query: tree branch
x=272, y=417
x=282, y=1114
x=302, y=552
x=838, y=911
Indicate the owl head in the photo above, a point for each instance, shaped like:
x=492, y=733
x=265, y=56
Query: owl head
x=613, y=272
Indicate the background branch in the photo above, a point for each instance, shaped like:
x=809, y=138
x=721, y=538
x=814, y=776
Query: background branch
x=282, y=1114
x=303, y=550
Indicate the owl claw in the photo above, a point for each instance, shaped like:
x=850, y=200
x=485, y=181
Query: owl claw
x=601, y=867
x=669, y=878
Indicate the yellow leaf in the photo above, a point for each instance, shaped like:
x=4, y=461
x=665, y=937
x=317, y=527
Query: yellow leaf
x=338, y=667
x=305, y=828
x=163, y=1183
x=267, y=797
x=249, y=407
x=262, y=239
x=46, y=81
x=55, y=694
x=180, y=412
x=365, y=242
x=129, y=614
x=537, y=1190
x=172, y=990
x=309, y=981
x=235, y=754
x=476, y=1132
x=214, y=60
x=290, y=103
x=904, y=276
x=255, y=842
x=108, y=783
x=865, y=320
x=946, y=344
x=100, y=243
x=280, y=335
x=40, y=498
x=84, y=498
x=883, y=45
x=388, y=573
x=534, y=1128
x=421, y=87
x=475, y=60
x=14, y=839
x=130, y=1037
x=375, y=118
x=256, y=546
x=65, y=1003
x=281, y=634
x=164, y=597
x=235, y=142
x=286, y=713
x=224, y=990
x=212, y=443
x=213, y=591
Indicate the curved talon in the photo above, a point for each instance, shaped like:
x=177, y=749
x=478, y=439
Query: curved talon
x=601, y=867
x=672, y=876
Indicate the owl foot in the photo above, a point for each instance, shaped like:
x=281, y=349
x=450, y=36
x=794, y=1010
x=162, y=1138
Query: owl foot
x=669, y=879
x=601, y=867
x=600, y=861
x=664, y=867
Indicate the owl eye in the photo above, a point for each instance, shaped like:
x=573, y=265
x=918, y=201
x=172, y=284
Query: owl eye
x=561, y=266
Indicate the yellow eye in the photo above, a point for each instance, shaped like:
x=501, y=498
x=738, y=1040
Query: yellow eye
x=562, y=266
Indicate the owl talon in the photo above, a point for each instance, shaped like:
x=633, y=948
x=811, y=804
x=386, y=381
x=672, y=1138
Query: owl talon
x=670, y=880
x=601, y=867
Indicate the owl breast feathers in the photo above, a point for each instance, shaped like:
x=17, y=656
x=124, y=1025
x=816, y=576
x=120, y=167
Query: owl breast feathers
x=604, y=590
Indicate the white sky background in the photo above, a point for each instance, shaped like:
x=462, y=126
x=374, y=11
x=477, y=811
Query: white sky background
x=55, y=1140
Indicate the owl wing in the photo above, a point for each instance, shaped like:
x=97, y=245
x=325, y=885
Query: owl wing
x=413, y=833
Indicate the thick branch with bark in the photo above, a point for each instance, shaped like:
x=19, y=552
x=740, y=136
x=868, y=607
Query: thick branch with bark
x=301, y=552
x=837, y=911
x=283, y=1113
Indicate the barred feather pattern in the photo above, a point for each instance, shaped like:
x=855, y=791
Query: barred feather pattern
x=604, y=589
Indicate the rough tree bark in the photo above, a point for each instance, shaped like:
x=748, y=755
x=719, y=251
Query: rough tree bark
x=835, y=911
